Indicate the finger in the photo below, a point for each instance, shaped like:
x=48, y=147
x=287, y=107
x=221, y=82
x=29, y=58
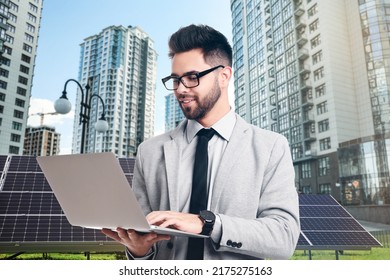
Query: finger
x=161, y=237
x=157, y=217
x=111, y=234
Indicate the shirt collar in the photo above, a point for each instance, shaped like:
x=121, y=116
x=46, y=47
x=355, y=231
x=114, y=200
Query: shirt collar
x=224, y=127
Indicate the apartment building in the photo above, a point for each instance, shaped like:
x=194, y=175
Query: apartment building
x=122, y=63
x=41, y=141
x=318, y=73
x=19, y=30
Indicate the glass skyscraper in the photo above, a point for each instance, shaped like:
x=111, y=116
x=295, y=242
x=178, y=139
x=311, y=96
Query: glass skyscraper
x=173, y=113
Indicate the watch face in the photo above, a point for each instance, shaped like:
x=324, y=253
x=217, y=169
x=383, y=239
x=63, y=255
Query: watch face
x=207, y=216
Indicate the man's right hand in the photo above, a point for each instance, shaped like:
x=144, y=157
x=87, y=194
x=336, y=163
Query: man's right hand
x=138, y=244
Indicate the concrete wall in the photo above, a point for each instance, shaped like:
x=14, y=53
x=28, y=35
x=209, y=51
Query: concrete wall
x=371, y=213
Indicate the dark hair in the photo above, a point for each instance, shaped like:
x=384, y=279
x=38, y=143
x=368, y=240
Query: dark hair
x=214, y=45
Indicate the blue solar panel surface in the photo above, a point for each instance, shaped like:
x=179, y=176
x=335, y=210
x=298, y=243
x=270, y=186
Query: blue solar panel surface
x=325, y=224
x=31, y=215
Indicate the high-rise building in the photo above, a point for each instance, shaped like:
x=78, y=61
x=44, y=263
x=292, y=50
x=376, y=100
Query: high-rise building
x=318, y=72
x=41, y=141
x=123, y=65
x=19, y=29
x=173, y=113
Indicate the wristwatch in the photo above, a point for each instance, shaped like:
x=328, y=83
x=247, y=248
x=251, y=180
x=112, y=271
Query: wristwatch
x=208, y=219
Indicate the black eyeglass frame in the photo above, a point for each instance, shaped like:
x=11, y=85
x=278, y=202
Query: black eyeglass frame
x=197, y=75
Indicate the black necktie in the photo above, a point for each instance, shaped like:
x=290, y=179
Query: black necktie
x=199, y=189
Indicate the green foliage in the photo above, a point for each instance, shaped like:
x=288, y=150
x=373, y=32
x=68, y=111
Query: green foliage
x=373, y=254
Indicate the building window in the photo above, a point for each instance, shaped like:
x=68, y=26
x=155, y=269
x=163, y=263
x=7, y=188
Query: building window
x=295, y=117
x=313, y=26
x=13, y=6
x=322, y=108
x=29, y=38
x=317, y=57
x=323, y=166
x=15, y=138
x=325, y=189
x=21, y=91
x=16, y=126
x=32, y=18
x=30, y=28
x=9, y=39
x=33, y=8
x=27, y=48
x=312, y=11
x=306, y=170
x=320, y=90
x=24, y=69
x=23, y=80
x=4, y=73
x=11, y=28
x=325, y=144
x=18, y=114
x=26, y=58
x=12, y=17
x=296, y=134
x=13, y=150
x=3, y=84
x=318, y=74
x=296, y=150
x=19, y=102
x=306, y=189
x=5, y=61
x=323, y=125
x=316, y=41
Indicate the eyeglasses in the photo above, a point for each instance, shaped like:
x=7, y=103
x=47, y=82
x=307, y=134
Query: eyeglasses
x=189, y=80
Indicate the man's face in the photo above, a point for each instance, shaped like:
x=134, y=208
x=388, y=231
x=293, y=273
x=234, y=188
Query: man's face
x=196, y=102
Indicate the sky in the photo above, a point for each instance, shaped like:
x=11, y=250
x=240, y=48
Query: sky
x=66, y=23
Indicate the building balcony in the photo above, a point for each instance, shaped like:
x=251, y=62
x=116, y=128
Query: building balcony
x=310, y=153
x=303, y=54
x=301, y=40
x=304, y=70
x=272, y=100
x=300, y=23
x=308, y=119
x=299, y=10
x=309, y=137
x=306, y=84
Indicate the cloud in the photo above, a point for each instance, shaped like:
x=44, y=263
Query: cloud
x=50, y=118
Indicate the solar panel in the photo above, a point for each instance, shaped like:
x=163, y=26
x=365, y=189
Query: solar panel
x=31, y=219
x=326, y=225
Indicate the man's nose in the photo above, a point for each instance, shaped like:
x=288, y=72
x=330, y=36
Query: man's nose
x=181, y=88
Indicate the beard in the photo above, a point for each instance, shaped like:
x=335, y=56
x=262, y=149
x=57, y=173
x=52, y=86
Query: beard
x=204, y=105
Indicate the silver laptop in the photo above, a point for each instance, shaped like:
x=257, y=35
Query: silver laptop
x=94, y=192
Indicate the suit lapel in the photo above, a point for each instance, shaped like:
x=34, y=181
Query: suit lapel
x=172, y=160
x=235, y=148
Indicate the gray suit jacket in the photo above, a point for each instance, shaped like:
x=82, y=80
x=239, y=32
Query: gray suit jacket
x=254, y=192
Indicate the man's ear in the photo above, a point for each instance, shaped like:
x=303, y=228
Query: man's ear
x=225, y=75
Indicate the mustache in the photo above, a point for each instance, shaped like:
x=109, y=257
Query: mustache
x=182, y=96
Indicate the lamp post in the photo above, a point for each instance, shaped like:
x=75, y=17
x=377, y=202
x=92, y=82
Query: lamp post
x=63, y=106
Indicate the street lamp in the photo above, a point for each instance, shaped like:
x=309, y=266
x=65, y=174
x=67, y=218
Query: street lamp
x=63, y=106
